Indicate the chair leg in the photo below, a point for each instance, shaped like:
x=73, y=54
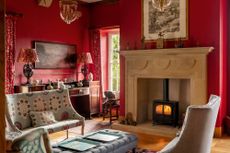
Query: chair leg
x=103, y=113
x=117, y=113
x=67, y=133
x=82, y=129
x=110, y=115
x=134, y=150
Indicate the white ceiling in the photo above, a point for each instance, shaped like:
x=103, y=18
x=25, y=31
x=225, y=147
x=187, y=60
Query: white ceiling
x=91, y=1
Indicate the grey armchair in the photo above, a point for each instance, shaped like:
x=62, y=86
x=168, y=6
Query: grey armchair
x=197, y=130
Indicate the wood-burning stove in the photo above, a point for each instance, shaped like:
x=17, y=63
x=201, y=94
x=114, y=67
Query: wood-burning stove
x=165, y=111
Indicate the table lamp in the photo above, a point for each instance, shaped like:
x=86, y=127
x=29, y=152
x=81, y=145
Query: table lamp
x=85, y=58
x=27, y=56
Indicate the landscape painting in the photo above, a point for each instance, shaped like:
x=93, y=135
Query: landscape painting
x=172, y=22
x=55, y=55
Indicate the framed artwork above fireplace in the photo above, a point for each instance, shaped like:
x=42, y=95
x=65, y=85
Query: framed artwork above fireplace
x=55, y=55
x=172, y=21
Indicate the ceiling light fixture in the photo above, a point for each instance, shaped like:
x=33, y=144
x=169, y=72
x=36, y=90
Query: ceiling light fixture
x=161, y=4
x=68, y=10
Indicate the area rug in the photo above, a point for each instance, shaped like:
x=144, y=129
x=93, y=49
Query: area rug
x=139, y=150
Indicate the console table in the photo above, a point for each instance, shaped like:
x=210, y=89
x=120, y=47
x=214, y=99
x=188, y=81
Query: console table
x=85, y=100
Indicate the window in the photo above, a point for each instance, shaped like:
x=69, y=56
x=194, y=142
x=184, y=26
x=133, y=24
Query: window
x=114, y=62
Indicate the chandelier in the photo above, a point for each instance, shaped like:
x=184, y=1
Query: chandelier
x=161, y=4
x=68, y=10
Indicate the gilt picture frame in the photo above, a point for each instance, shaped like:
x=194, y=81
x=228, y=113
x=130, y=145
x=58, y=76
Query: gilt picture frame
x=172, y=22
x=54, y=55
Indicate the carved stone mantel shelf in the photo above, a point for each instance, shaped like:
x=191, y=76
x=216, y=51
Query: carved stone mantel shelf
x=168, y=51
x=179, y=63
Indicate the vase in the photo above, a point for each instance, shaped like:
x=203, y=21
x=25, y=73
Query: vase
x=90, y=76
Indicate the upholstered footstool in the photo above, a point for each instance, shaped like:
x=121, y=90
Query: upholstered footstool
x=125, y=143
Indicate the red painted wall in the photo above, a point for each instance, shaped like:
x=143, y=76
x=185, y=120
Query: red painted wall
x=45, y=24
x=204, y=29
x=228, y=55
x=104, y=15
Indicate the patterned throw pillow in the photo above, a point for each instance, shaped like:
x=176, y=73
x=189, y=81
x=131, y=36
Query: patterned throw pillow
x=40, y=118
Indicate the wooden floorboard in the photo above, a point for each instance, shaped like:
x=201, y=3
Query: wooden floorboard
x=145, y=141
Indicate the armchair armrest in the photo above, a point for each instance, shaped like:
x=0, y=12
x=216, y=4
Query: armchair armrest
x=35, y=140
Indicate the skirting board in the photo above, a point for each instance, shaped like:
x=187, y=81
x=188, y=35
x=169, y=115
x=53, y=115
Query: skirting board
x=218, y=132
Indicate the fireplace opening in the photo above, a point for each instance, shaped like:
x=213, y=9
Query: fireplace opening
x=165, y=111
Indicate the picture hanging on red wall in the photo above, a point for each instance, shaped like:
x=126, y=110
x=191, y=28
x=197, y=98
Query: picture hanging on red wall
x=55, y=55
x=164, y=17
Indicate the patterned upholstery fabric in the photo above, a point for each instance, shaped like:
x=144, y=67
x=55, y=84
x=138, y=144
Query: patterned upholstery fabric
x=127, y=142
x=61, y=125
x=40, y=118
x=20, y=105
x=35, y=141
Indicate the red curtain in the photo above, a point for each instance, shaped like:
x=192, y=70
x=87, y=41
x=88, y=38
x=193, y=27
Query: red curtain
x=10, y=53
x=95, y=49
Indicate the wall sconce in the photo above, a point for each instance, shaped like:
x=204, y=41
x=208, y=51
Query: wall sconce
x=68, y=10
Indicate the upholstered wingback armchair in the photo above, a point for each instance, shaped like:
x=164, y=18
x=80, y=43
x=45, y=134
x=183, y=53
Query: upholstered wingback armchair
x=197, y=130
x=35, y=140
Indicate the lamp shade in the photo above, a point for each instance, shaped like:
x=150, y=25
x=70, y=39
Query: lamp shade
x=27, y=55
x=85, y=58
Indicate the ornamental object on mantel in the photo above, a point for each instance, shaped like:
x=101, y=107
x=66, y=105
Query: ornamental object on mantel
x=45, y=3
x=68, y=10
x=161, y=5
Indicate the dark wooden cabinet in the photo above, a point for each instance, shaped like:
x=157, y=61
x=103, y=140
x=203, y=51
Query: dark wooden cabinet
x=86, y=100
x=94, y=93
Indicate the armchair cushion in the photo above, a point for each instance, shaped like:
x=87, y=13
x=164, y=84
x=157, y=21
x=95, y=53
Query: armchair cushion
x=40, y=118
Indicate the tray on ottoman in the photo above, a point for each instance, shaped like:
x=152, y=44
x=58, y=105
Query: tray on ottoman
x=119, y=142
x=78, y=144
x=103, y=136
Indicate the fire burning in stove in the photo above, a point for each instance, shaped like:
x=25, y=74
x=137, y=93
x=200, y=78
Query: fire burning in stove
x=164, y=110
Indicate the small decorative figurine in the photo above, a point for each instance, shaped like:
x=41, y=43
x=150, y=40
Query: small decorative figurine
x=49, y=87
x=80, y=84
x=160, y=40
x=90, y=76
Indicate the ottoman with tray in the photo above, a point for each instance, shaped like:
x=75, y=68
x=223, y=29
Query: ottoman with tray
x=103, y=141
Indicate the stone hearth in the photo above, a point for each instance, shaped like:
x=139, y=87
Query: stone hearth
x=144, y=67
